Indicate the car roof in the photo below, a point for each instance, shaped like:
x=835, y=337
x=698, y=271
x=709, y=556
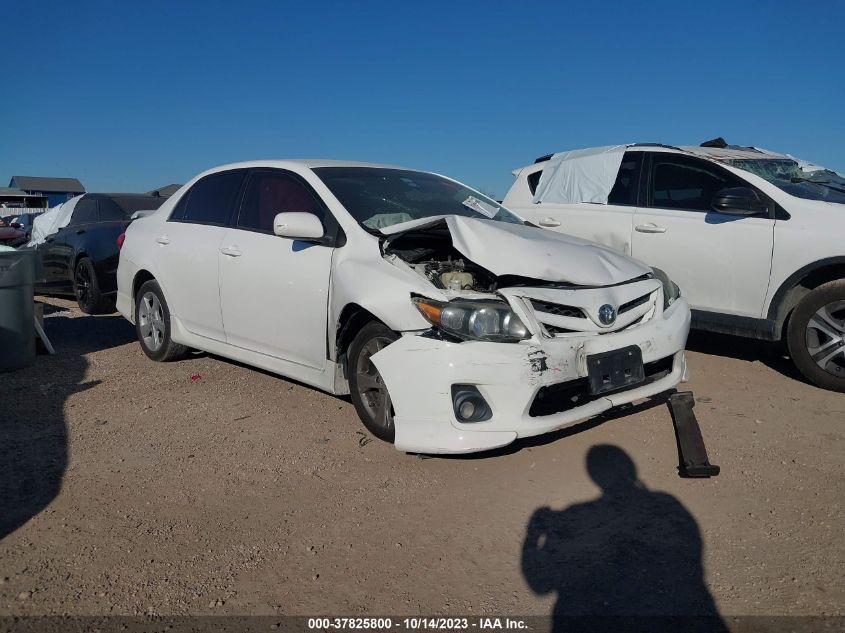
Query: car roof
x=713, y=153
x=309, y=163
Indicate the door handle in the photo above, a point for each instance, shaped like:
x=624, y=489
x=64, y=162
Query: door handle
x=163, y=240
x=650, y=228
x=80, y=231
x=549, y=222
x=231, y=251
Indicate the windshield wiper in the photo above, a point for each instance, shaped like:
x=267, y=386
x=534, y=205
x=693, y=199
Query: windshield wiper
x=824, y=183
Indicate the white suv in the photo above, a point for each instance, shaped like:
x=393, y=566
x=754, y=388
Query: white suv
x=453, y=325
x=755, y=239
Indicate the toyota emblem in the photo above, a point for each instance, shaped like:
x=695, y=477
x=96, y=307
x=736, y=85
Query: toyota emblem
x=607, y=314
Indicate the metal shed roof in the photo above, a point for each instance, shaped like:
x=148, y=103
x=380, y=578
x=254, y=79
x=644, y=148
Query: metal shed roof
x=44, y=183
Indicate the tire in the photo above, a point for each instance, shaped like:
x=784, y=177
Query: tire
x=367, y=389
x=816, y=336
x=86, y=289
x=152, y=325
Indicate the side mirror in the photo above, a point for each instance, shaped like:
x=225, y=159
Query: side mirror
x=298, y=225
x=15, y=225
x=738, y=201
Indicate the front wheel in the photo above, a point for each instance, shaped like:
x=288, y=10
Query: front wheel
x=816, y=336
x=152, y=324
x=367, y=389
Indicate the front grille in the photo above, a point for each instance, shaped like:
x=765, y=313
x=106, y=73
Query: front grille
x=633, y=304
x=565, y=396
x=554, y=331
x=557, y=309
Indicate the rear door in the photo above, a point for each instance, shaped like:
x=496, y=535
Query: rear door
x=608, y=224
x=187, y=251
x=722, y=262
x=59, y=250
x=274, y=290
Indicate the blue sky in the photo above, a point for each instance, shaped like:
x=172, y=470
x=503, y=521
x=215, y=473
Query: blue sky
x=130, y=96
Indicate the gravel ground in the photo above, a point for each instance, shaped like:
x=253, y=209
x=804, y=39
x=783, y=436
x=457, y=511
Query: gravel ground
x=129, y=487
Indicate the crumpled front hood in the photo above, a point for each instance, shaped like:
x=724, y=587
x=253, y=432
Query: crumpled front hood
x=525, y=251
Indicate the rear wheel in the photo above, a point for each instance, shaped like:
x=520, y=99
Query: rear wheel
x=816, y=336
x=152, y=324
x=368, y=391
x=86, y=287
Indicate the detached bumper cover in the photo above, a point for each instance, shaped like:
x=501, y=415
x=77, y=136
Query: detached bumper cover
x=420, y=371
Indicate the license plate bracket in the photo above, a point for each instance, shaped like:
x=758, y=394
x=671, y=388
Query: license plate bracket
x=614, y=370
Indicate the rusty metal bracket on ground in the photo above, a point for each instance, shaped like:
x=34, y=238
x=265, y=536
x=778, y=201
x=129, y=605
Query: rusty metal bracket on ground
x=692, y=454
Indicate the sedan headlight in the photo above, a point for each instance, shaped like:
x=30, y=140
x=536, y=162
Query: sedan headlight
x=474, y=320
x=670, y=288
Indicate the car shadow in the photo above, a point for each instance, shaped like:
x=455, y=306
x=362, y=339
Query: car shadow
x=33, y=426
x=772, y=354
x=629, y=560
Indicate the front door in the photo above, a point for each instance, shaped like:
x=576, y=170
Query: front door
x=721, y=262
x=273, y=290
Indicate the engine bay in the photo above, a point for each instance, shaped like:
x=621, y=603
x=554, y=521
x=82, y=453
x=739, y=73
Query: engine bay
x=432, y=255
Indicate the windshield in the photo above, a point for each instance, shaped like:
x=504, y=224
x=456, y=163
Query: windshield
x=787, y=175
x=380, y=197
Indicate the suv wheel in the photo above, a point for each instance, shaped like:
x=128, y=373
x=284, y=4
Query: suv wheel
x=816, y=336
x=367, y=389
x=152, y=324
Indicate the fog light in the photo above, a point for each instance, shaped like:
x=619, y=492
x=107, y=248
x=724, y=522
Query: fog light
x=469, y=404
x=466, y=408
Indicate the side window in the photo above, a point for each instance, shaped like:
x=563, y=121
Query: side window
x=272, y=192
x=179, y=210
x=680, y=182
x=625, y=188
x=84, y=212
x=211, y=200
x=534, y=180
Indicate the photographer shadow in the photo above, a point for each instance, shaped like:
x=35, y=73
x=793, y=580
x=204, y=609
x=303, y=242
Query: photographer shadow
x=629, y=560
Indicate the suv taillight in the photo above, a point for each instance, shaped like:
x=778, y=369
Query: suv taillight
x=120, y=240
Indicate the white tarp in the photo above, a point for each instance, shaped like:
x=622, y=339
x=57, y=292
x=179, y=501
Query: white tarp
x=51, y=221
x=583, y=175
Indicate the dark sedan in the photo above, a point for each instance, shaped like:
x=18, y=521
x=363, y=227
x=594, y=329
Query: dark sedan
x=81, y=258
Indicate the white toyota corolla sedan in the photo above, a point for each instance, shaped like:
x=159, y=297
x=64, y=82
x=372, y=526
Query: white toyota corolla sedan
x=453, y=324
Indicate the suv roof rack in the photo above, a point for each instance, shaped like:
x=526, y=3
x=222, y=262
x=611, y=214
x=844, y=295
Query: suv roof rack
x=655, y=145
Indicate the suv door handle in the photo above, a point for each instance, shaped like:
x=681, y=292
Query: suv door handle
x=80, y=231
x=549, y=222
x=163, y=240
x=231, y=251
x=650, y=228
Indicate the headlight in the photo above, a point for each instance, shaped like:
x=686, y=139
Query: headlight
x=670, y=288
x=474, y=320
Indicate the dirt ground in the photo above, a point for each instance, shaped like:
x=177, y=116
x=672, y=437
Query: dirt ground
x=127, y=487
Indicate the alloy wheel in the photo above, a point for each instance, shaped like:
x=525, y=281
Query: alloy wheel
x=83, y=283
x=151, y=321
x=825, y=338
x=371, y=387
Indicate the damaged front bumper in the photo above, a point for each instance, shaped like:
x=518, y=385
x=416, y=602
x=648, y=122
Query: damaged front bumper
x=533, y=387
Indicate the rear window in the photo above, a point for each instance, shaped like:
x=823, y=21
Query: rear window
x=212, y=199
x=121, y=208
